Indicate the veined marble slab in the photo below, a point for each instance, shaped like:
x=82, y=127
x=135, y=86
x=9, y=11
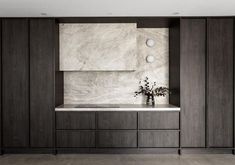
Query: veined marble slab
x=116, y=107
x=98, y=47
x=119, y=87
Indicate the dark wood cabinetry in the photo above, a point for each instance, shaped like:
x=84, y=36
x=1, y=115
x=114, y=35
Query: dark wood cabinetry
x=207, y=79
x=158, y=138
x=116, y=138
x=75, y=120
x=201, y=68
x=117, y=120
x=28, y=82
x=220, y=82
x=74, y=138
x=234, y=86
x=193, y=84
x=158, y=120
x=122, y=129
x=15, y=82
x=0, y=86
x=42, y=82
x=174, y=62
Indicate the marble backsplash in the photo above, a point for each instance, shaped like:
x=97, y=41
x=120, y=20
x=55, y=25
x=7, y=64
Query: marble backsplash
x=119, y=87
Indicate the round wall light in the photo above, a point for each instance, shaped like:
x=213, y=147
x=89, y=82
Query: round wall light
x=150, y=59
x=150, y=42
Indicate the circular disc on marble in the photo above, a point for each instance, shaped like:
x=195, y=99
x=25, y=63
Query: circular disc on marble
x=150, y=42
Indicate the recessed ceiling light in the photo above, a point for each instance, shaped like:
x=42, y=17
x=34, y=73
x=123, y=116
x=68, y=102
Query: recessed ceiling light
x=43, y=14
x=175, y=13
x=109, y=13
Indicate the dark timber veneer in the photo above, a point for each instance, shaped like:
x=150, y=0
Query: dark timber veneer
x=220, y=82
x=76, y=138
x=159, y=138
x=29, y=59
x=117, y=138
x=42, y=82
x=193, y=82
x=0, y=87
x=75, y=120
x=15, y=82
x=113, y=129
x=117, y=120
x=158, y=120
x=201, y=77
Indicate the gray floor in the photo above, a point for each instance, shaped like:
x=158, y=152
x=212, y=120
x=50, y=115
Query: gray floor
x=117, y=159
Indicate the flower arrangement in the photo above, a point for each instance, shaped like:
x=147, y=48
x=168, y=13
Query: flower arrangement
x=150, y=90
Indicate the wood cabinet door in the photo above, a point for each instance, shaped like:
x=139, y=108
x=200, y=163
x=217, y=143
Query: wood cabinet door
x=220, y=82
x=0, y=86
x=158, y=138
x=117, y=138
x=75, y=138
x=193, y=82
x=42, y=82
x=75, y=120
x=117, y=120
x=15, y=82
x=158, y=120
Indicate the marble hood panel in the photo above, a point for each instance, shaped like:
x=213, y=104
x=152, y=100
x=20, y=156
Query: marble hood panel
x=98, y=47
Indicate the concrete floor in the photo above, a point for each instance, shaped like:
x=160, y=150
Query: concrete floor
x=132, y=159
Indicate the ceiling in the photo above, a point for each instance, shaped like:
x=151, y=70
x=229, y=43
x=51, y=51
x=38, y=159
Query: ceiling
x=111, y=8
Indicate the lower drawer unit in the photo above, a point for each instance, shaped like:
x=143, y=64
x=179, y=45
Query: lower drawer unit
x=158, y=138
x=117, y=120
x=117, y=139
x=83, y=139
x=75, y=120
x=158, y=120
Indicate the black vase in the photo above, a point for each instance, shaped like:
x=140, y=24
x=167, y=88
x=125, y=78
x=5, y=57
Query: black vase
x=150, y=99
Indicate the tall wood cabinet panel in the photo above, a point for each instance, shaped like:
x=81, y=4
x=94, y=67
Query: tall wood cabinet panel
x=59, y=75
x=174, y=62
x=42, y=82
x=192, y=77
x=220, y=82
x=15, y=82
x=234, y=84
x=0, y=86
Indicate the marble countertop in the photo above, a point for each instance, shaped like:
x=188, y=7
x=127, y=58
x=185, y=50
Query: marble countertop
x=116, y=107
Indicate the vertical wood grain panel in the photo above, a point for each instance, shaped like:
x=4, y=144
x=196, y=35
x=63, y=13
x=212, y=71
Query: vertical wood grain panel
x=15, y=82
x=192, y=76
x=220, y=82
x=0, y=86
x=174, y=63
x=42, y=82
x=234, y=85
x=59, y=76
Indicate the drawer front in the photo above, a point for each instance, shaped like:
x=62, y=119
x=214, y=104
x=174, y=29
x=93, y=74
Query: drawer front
x=152, y=139
x=75, y=139
x=158, y=120
x=117, y=120
x=117, y=139
x=75, y=120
